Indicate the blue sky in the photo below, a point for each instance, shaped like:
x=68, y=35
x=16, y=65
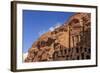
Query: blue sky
x=35, y=23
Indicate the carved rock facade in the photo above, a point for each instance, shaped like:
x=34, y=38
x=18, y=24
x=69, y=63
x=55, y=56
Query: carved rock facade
x=71, y=41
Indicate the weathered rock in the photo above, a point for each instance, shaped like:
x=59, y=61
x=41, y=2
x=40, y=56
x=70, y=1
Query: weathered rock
x=71, y=41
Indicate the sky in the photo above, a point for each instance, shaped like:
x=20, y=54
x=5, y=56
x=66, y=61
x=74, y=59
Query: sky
x=36, y=23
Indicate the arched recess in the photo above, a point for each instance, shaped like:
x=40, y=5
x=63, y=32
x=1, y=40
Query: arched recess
x=75, y=27
x=78, y=26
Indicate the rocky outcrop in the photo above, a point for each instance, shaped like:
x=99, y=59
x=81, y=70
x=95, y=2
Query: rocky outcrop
x=71, y=41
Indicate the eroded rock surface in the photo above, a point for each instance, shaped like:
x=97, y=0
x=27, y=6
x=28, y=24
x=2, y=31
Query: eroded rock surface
x=71, y=41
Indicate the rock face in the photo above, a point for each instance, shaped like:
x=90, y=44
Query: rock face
x=71, y=41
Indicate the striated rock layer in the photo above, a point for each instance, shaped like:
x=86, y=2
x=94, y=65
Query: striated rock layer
x=70, y=41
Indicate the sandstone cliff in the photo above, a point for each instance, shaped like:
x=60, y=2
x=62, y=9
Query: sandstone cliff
x=70, y=41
